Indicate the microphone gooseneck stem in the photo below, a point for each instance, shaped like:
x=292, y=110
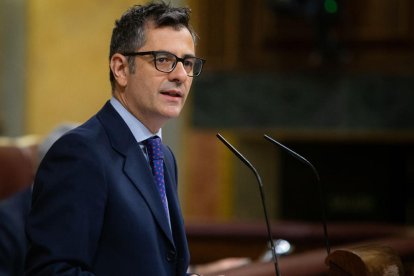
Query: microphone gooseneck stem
x=321, y=190
x=259, y=180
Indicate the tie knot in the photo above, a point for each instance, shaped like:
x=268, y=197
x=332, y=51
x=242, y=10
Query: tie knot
x=154, y=150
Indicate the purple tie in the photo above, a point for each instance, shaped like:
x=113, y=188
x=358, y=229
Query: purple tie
x=156, y=159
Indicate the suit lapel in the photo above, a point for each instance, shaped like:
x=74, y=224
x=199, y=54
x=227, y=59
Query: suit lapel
x=137, y=169
x=177, y=223
x=136, y=166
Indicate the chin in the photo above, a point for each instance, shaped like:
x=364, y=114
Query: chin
x=172, y=113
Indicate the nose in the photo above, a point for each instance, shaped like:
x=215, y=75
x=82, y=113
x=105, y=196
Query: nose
x=178, y=74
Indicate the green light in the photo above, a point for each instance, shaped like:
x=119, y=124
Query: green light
x=331, y=6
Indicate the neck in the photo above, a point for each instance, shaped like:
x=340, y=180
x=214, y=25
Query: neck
x=153, y=126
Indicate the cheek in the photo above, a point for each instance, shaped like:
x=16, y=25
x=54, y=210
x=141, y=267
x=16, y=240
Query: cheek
x=144, y=88
x=188, y=84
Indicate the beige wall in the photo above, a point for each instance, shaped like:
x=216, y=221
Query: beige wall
x=12, y=66
x=67, y=66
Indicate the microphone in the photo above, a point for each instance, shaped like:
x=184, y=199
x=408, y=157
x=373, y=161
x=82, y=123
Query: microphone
x=248, y=164
x=321, y=190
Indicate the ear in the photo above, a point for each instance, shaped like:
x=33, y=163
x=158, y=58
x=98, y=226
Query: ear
x=120, y=69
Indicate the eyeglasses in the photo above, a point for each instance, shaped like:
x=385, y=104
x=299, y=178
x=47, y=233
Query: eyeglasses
x=166, y=62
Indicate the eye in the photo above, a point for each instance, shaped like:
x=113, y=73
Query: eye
x=164, y=58
x=189, y=62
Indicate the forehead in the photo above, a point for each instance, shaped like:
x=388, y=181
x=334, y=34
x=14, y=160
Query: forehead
x=171, y=39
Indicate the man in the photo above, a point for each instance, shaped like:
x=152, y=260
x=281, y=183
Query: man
x=96, y=209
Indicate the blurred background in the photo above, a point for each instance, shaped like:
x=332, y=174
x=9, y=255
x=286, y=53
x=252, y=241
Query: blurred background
x=331, y=79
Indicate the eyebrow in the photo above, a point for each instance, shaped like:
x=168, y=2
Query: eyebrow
x=185, y=56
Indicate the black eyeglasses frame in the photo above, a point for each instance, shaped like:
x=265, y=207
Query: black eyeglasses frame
x=178, y=59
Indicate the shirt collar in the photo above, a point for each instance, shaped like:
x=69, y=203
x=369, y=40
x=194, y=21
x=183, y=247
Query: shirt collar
x=139, y=131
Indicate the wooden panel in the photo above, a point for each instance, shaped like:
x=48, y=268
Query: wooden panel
x=251, y=35
x=210, y=241
x=380, y=20
x=208, y=172
x=365, y=260
x=216, y=22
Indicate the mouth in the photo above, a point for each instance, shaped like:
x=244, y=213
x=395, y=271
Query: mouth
x=172, y=93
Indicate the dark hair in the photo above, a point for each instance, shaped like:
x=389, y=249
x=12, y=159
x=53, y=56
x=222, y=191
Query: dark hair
x=129, y=31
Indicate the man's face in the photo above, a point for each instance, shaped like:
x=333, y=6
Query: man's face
x=153, y=96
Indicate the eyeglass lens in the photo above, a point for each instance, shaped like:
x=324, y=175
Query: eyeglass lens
x=166, y=62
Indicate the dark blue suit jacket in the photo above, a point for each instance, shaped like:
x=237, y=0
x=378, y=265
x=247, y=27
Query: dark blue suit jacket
x=13, y=244
x=96, y=210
